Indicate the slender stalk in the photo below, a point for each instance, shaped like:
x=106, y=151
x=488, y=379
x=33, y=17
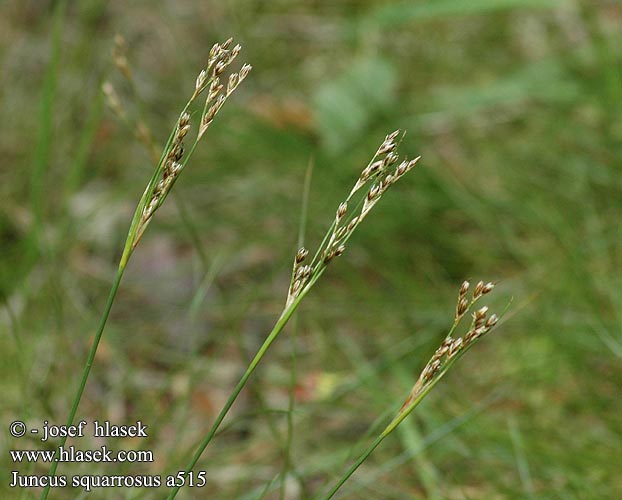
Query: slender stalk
x=388, y=430
x=278, y=328
x=168, y=168
x=287, y=459
x=87, y=369
x=381, y=174
x=355, y=466
x=441, y=362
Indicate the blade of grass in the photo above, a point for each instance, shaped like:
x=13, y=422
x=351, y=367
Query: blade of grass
x=377, y=177
x=46, y=118
x=413, y=444
x=166, y=172
x=521, y=460
x=287, y=459
x=450, y=351
x=87, y=369
x=278, y=327
x=87, y=138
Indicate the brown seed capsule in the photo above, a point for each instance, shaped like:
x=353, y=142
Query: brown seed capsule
x=481, y=312
x=301, y=254
x=373, y=192
x=478, y=332
x=244, y=71
x=341, y=211
x=464, y=288
x=487, y=288
x=492, y=321
x=386, y=147
x=365, y=174
x=441, y=351
x=352, y=224
x=176, y=168
x=390, y=159
x=401, y=168
x=435, y=365
x=478, y=289
x=391, y=137
x=340, y=249
x=181, y=133
x=184, y=120
x=463, y=304
x=455, y=346
x=200, y=80
x=234, y=79
x=412, y=163
x=469, y=336
x=377, y=165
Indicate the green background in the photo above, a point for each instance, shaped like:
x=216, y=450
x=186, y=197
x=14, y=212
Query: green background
x=516, y=109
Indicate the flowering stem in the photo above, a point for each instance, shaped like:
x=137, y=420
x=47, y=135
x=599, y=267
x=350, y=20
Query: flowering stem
x=278, y=328
x=87, y=369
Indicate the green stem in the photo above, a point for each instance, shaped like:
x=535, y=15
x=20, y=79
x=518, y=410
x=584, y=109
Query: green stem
x=46, y=120
x=287, y=459
x=87, y=369
x=278, y=327
x=399, y=418
x=355, y=466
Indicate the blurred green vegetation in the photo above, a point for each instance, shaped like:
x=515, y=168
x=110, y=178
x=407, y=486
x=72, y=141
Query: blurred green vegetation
x=516, y=108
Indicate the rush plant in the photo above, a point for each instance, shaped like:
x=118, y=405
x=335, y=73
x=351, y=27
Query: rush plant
x=384, y=170
x=173, y=160
x=452, y=348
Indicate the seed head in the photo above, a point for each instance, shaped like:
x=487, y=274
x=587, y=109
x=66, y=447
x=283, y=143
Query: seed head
x=341, y=211
x=492, y=321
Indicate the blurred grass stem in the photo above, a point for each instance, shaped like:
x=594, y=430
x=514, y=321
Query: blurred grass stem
x=278, y=328
x=87, y=368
